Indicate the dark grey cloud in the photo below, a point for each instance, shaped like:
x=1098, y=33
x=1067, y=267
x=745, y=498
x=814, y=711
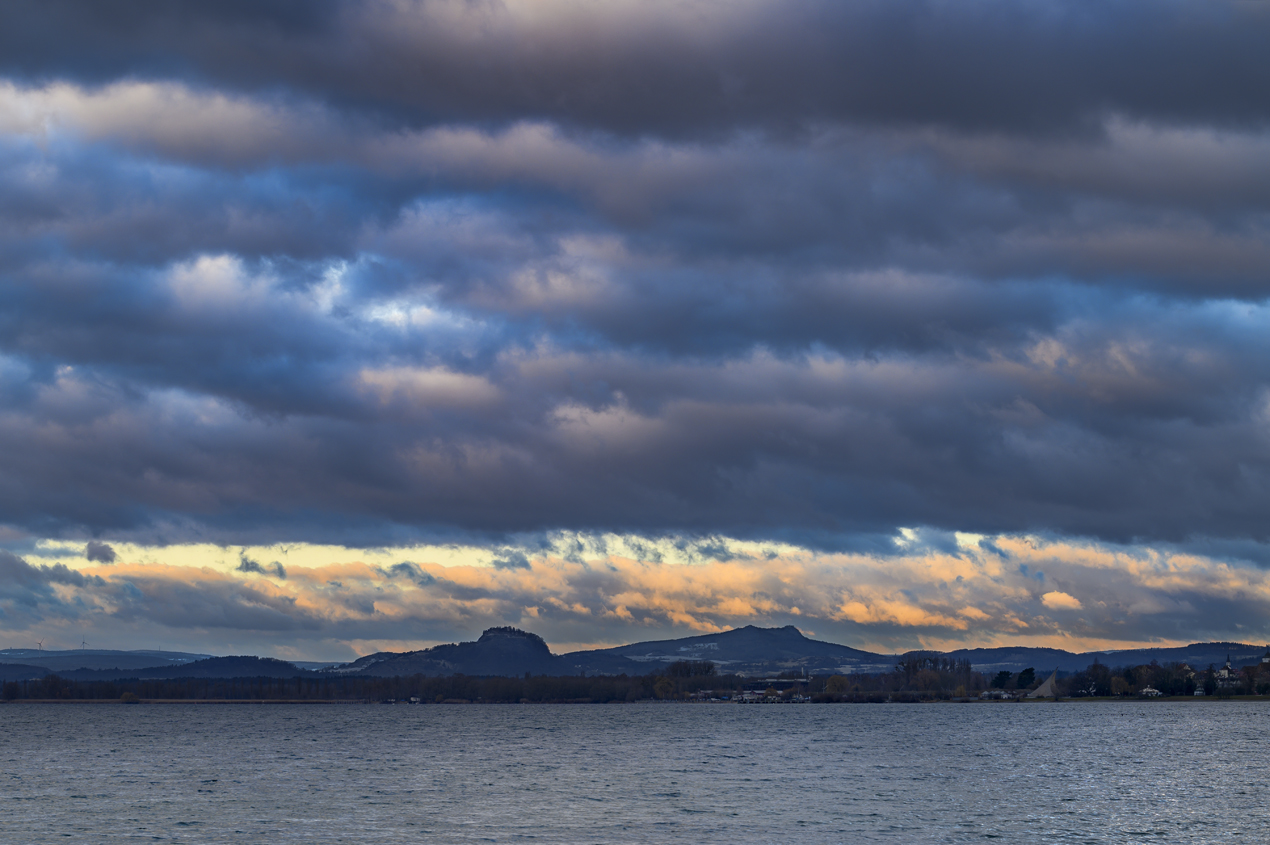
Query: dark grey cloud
x=28, y=595
x=207, y=606
x=508, y=558
x=246, y=564
x=100, y=552
x=368, y=272
x=16, y=573
x=413, y=571
x=674, y=69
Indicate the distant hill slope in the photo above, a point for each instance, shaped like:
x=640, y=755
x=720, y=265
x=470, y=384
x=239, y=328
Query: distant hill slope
x=511, y=652
x=70, y=659
x=1198, y=655
x=1018, y=658
x=745, y=651
x=499, y=651
x=21, y=672
x=750, y=651
x=212, y=667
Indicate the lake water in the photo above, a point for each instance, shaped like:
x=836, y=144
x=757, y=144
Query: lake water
x=1066, y=772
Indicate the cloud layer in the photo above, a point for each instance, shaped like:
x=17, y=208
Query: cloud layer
x=933, y=591
x=381, y=273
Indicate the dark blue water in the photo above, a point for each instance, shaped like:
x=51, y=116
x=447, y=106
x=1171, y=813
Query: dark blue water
x=1066, y=772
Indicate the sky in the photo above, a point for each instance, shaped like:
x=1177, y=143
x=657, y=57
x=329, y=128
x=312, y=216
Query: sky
x=328, y=328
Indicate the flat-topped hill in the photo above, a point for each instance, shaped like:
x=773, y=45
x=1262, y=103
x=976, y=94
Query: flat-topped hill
x=499, y=651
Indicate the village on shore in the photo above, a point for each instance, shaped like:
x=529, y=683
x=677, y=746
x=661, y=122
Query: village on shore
x=919, y=678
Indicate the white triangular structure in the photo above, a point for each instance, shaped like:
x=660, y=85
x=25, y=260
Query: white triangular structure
x=1046, y=690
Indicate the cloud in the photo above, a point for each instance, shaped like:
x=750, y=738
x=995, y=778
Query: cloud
x=664, y=67
x=32, y=594
x=1056, y=600
x=378, y=273
x=19, y=574
x=413, y=571
x=246, y=564
x=193, y=606
x=510, y=559
x=1094, y=596
x=99, y=552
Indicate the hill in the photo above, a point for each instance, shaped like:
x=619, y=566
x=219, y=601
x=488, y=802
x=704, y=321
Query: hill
x=499, y=651
x=743, y=651
x=1197, y=655
x=750, y=651
x=511, y=652
x=71, y=659
x=211, y=667
x=21, y=672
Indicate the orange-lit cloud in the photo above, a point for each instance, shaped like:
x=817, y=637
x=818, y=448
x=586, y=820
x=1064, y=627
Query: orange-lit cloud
x=1056, y=600
x=1012, y=590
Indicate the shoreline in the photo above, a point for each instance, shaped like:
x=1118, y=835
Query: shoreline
x=328, y=701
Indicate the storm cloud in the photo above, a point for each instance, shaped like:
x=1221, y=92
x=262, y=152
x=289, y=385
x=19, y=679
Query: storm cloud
x=676, y=68
x=385, y=272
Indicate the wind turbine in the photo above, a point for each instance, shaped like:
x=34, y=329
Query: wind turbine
x=83, y=645
x=39, y=644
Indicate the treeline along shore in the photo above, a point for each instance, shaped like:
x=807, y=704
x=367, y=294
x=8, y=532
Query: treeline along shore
x=914, y=679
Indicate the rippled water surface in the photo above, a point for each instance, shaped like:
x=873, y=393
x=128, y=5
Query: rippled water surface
x=1069, y=772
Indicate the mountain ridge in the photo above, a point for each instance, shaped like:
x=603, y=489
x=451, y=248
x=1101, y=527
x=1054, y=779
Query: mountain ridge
x=753, y=651
x=507, y=651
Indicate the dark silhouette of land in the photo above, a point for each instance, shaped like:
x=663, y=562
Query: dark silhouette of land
x=512, y=653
